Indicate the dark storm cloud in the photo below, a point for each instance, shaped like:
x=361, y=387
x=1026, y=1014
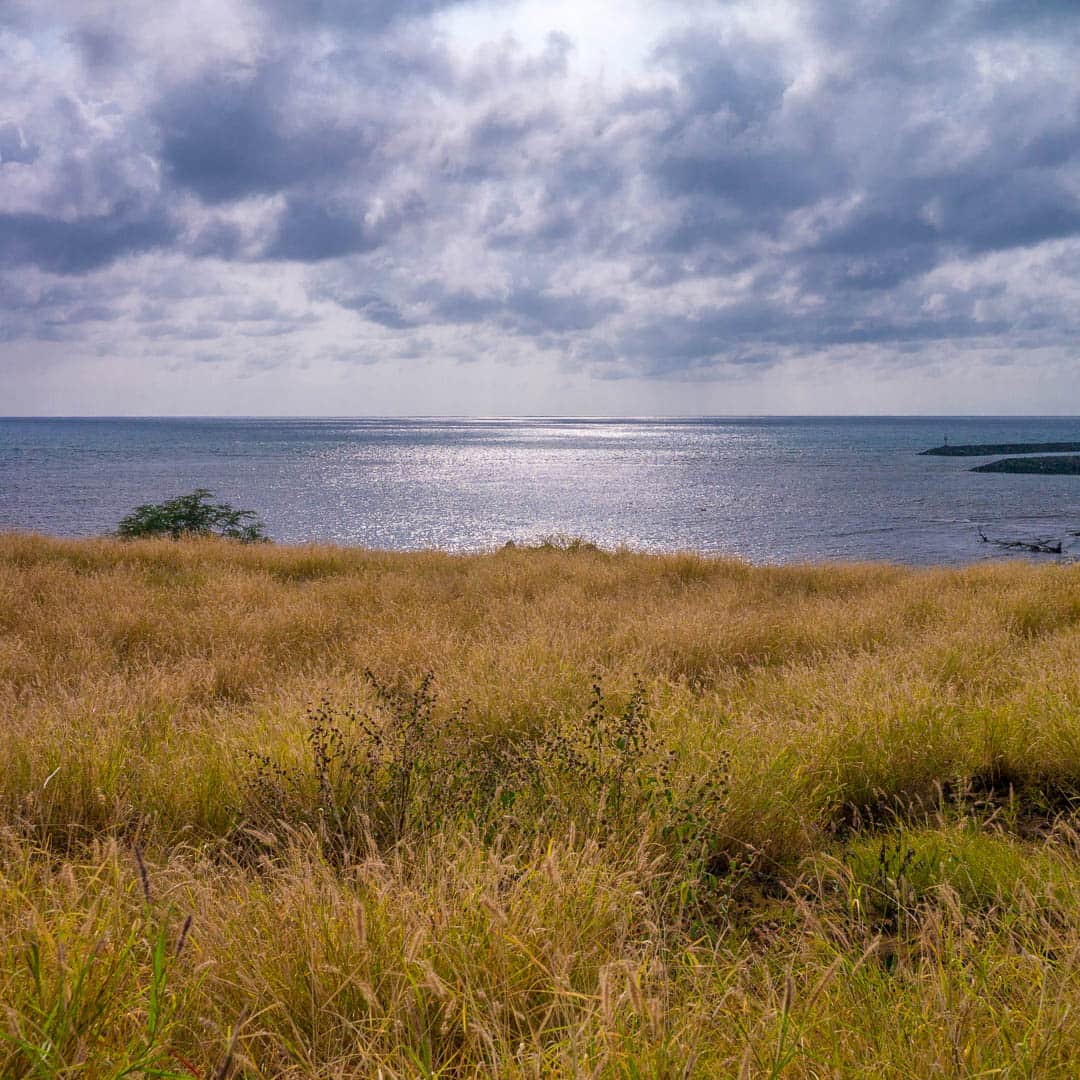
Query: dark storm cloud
x=525, y=310
x=366, y=15
x=82, y=245
x=731, y=156
x=1033, y=16
x=1012, y=211
x=225, y=136
x=372, y=309
x=756, y=333
x=100, y=47
x=845, y=185
x=217, y=239
x=310, y=231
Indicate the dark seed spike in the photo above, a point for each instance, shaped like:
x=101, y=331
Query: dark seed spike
x=144, y=877
x=183, y=936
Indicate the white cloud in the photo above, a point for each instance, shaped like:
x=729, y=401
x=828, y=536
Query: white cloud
x=538, y=207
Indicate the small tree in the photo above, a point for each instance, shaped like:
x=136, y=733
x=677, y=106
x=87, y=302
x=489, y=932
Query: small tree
x=192, y=515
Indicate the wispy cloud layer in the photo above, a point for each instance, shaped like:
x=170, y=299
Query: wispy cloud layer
x=299, y=187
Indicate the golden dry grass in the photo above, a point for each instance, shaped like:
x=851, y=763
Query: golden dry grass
x=884, y=883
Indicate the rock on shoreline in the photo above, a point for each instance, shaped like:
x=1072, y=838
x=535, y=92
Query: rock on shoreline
x=1065, y=465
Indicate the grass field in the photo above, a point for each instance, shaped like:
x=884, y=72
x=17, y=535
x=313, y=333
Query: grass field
x=317, y=812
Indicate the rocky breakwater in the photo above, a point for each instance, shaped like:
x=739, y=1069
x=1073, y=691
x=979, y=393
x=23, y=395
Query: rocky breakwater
x=996, y=449
x=1056, y=465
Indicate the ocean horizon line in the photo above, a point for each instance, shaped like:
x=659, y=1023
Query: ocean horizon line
x=548, y=417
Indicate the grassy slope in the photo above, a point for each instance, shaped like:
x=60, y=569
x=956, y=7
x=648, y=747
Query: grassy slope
x=890, y=886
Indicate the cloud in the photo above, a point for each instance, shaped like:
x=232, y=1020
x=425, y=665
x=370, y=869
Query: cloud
x=349, y=15
x=14, y=149
x=81, y=245
x=309, y=231
x=853, y=176
x=228, y=136
x=525, y=310
x=101, y=47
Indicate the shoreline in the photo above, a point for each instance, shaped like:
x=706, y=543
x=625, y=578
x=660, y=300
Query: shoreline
x=1024, y=544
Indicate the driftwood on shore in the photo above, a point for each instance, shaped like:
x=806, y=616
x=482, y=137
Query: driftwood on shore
x=1040, y=547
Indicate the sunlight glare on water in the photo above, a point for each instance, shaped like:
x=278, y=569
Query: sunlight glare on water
x=770, y=490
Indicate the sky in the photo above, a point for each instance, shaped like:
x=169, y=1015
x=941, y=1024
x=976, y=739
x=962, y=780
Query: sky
x=466, y=207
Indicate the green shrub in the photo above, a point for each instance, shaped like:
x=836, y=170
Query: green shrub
x=383, y=778
x=192, y=515
x=405, y=771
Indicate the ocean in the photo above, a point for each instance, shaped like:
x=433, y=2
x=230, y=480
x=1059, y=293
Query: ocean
x=770, y=490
